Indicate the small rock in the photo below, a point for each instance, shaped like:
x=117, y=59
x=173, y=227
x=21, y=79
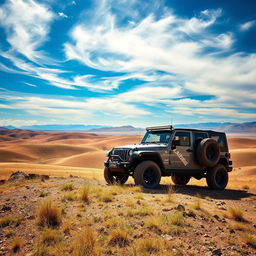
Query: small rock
x=167, y=237
x=138, y=202
x=217, y=252
x=6, y=208
x=205, y=235
x=137, y=236
x=17, y=176
x=254, y=225
x=166, y=209
x=31, y=217
x=180, y=207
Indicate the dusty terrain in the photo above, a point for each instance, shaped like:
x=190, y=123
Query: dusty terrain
x=117, y=220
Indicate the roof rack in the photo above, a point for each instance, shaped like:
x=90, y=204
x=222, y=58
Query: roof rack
x=162, y=128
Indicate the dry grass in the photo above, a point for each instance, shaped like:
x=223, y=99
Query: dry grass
x=9, y=220
x=118, y=237
x=170, y=192
x=115, y=222
x=149, y=246
x=250, y=240
x=84, y=244
x=238, y=226
x=84, y=193
x=16, y=244
x=106, y=198
x=48, y=214
x=41, y=250
x=176, y=219
x=235, y=214
x=69, y=196
x=68, y=187
x=50, y=237
x=141, y=211
x=154, y=222
x=197, y=205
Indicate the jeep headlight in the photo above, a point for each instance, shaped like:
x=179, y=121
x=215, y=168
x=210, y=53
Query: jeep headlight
x=130, y=152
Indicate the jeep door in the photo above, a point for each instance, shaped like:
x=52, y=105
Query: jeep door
x=181, y=157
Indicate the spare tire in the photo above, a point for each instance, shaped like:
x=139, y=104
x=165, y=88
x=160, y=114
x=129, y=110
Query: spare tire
x=208, y=152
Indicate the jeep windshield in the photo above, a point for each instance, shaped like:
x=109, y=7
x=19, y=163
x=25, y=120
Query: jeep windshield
x=156, y=137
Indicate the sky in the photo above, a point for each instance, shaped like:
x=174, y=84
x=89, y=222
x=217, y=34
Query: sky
x=127, y=62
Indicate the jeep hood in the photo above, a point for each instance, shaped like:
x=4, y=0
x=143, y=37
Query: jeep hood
x=140, y=147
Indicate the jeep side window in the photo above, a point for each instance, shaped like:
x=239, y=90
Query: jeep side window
x=182, y=138
x=221, y=140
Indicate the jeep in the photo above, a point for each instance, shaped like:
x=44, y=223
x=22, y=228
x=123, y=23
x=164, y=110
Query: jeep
x=176, y=152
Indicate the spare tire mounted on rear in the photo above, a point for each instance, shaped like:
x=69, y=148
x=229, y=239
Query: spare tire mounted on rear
x=208, y=152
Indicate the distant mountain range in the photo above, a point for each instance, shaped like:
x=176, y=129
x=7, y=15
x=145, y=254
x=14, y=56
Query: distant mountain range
x=248, y=127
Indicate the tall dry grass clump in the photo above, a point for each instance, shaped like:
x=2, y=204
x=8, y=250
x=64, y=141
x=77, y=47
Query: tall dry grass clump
x=170, y=192
x=48, y=214
x=84, y=244
x=236, y=214
x=84, y=193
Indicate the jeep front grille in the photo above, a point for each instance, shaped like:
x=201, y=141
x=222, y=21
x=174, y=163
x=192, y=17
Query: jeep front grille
x=122, y=153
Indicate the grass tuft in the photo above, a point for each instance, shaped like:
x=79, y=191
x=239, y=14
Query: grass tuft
x=170, y=192
x=68, y=187
x=48, y=214
x=9, y=220
x=149, y=246
x=84, y=244
x=197, y=204
x=84, y=193
x=250, y=240
x=16, y=244
x=236, y=214
x=177, y=219
x=51, y=237
x=69, y=196
x=118, y=237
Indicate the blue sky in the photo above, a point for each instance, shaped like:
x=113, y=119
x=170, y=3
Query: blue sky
x=127, y=62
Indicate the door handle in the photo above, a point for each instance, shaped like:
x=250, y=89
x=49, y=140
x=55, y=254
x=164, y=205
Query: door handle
x=189, y=150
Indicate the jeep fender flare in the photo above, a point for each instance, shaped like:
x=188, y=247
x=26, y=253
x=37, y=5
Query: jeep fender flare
x=141, y=156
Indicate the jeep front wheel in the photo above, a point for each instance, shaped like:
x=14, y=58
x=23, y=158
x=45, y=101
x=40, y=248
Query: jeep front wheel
x=217, y=177
x=147, y=174
x=180, y=179
x=114, y=178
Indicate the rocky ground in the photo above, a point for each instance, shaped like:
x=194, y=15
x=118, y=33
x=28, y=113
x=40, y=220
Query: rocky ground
x=95, y=219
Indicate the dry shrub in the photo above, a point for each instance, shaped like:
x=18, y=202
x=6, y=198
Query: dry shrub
x=170, y=192
x=69, y=196
x=238, y=226
x=250, y=240
x=236, y=214
x=48, y=214
x=84, y=193
x=118, y=237
x=177, y=219
x=51, y=237
x=154, y=222
x=16, y=244
x=150, y=246
x=68, y=187
x=9, y=220
x=197, y=204
x=84, y=244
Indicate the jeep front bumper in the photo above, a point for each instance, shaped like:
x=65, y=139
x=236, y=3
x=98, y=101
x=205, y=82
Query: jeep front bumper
x=117, y=166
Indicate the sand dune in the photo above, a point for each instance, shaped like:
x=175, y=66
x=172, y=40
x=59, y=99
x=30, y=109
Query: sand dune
x=87, y=150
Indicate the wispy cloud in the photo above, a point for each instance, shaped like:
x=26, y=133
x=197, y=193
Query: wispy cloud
x=247, y=25
x=26, y=24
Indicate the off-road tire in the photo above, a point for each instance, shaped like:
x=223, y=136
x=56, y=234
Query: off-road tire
x=208, y=152
x=180, y=179
x=114, y=178
x=217, y=177
x=147, y=174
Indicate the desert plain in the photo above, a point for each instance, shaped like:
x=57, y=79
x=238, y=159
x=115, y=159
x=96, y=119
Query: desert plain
x=92, y=218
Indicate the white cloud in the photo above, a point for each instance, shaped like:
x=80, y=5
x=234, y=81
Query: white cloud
x=247, y=25
x=62, y=15
x=26, y=24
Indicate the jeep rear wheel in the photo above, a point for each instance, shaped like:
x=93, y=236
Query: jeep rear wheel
x=217, y=177
x=180, y=179
x=147, y=174
x=114, y=178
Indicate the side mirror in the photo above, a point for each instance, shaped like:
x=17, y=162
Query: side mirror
x=174, y=144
